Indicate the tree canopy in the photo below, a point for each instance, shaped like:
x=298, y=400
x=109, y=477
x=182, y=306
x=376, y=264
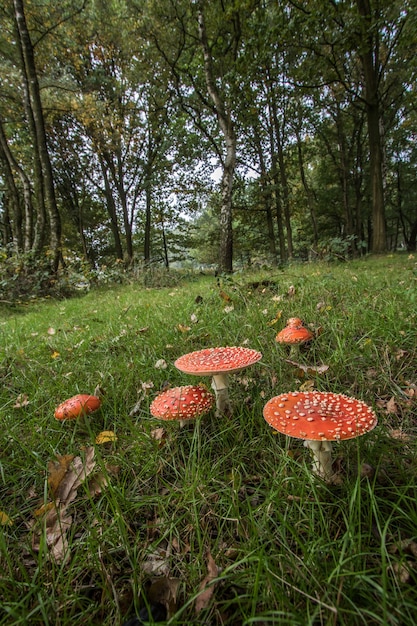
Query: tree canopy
x=206, y=132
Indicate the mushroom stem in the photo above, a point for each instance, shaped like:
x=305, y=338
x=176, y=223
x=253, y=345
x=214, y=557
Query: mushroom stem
x=220, y=384
x=322, y=453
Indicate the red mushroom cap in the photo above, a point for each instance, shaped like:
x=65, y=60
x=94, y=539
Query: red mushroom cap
x=182, y=403
x=78, y=405
x=211, y=361
x=321, y=416
x=294, y=332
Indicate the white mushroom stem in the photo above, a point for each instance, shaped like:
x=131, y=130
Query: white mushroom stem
x=322, y=453
x=220, y=384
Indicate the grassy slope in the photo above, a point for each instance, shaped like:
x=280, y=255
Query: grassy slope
x=290, y=549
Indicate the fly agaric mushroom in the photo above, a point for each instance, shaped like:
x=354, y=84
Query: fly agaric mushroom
x=81, y=404
x=294, y=334
x=218, y=363
x=182, y=403
x=319, y=418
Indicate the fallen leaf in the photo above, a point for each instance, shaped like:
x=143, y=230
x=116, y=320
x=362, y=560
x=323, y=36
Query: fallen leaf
x=21, y=401
x=161, y=364
x=225, y=296
x=194, y=318
x=391, y=406
x=66, y=474
x=229, y=309
x=276, y=318
x=183, y=329
x=400, y=435
x=402, y=571
x=97, y=483
x=57, y=470
x=158, y=434
x=77, y=472
x=157, y=563
x=207, y=589
x=55, y=354
x=164, y=591
x=291, y=291
x=5, y=519
x=308, y=385
x=106, y=436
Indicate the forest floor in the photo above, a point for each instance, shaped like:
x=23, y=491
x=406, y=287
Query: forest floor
x=222, y=521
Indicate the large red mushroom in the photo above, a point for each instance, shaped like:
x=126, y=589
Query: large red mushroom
x=319, y=418
x=218, y=363
x=182, y=403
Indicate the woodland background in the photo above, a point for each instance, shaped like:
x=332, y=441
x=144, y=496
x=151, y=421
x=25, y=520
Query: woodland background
x=229, y=132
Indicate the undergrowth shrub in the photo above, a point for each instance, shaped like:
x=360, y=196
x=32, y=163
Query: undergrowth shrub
x=25, y=278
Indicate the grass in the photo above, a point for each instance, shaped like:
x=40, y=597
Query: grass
x=289, y=548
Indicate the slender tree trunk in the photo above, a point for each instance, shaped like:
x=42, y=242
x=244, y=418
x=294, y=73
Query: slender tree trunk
x=148, y=202
x=111, y=210
x=275, y=187
x=344, y=172
x=11, y=198
x=227, y=127
x=123, y=202
x=307, y=188
x=370, y=65
x=266, y=198
x=35, y=103
x=28, y=211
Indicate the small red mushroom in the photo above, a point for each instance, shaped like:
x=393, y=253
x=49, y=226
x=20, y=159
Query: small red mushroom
x=319, y=418
x=182, y=403
x=294, y=334
x=81, y=404
x=218, y=363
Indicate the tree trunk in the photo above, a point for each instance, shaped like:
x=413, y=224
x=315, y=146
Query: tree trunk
x=307, y=189
x=28, y=211
x=35, y=104
x=111, y=210
x=370, y=65
x=11, y=199
x=229, y=163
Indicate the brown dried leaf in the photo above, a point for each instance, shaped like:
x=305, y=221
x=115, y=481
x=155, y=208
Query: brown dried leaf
x=402, y=571
x=164, y=591
x=183, y=328
x=158, y=434
x=157, y=563
x=308, y=385
x=57, y=470
x=391, y=406
x=66, y=490
x=22, y=400
x=66, y=474
x=207, y=589
x=400, y=435
x=97, y=484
